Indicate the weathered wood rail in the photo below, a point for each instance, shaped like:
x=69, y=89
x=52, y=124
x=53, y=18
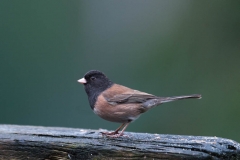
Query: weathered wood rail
x=50, y=143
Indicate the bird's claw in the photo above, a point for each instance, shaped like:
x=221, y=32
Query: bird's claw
x=114, y=134
x=109, y=133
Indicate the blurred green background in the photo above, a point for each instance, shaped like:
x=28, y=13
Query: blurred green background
x=166, y=48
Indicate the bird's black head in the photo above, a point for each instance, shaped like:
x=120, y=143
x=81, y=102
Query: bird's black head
x=95, y=82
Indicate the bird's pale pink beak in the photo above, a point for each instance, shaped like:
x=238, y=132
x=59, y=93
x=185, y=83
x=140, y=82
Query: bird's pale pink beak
x=82, y=80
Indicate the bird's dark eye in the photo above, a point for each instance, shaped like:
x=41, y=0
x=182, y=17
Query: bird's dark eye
x=93, y=78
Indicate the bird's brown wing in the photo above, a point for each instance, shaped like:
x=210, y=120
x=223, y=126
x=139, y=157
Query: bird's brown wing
x=130, y=98
x=118, y=94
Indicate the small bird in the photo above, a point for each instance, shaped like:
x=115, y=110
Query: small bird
x=117, y=103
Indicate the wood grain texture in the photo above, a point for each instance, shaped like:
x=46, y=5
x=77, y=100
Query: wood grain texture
x=31, y=142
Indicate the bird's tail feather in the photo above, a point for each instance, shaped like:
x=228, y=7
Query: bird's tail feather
x=155, y=102
x=170, y=99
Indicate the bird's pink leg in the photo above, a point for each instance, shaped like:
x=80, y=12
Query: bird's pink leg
x=114, y=132
x=121, y=133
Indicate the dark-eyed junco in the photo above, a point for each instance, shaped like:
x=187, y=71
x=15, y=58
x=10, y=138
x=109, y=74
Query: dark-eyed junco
x=117, y=103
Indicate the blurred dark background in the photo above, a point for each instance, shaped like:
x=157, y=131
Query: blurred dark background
x=166, y=48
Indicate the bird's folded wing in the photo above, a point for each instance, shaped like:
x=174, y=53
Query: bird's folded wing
x=130, y=98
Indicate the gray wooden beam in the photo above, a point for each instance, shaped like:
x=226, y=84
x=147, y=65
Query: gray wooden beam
x=32, y=142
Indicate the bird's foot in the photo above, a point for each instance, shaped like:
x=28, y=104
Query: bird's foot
x=117, y=135
x=109, y=133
